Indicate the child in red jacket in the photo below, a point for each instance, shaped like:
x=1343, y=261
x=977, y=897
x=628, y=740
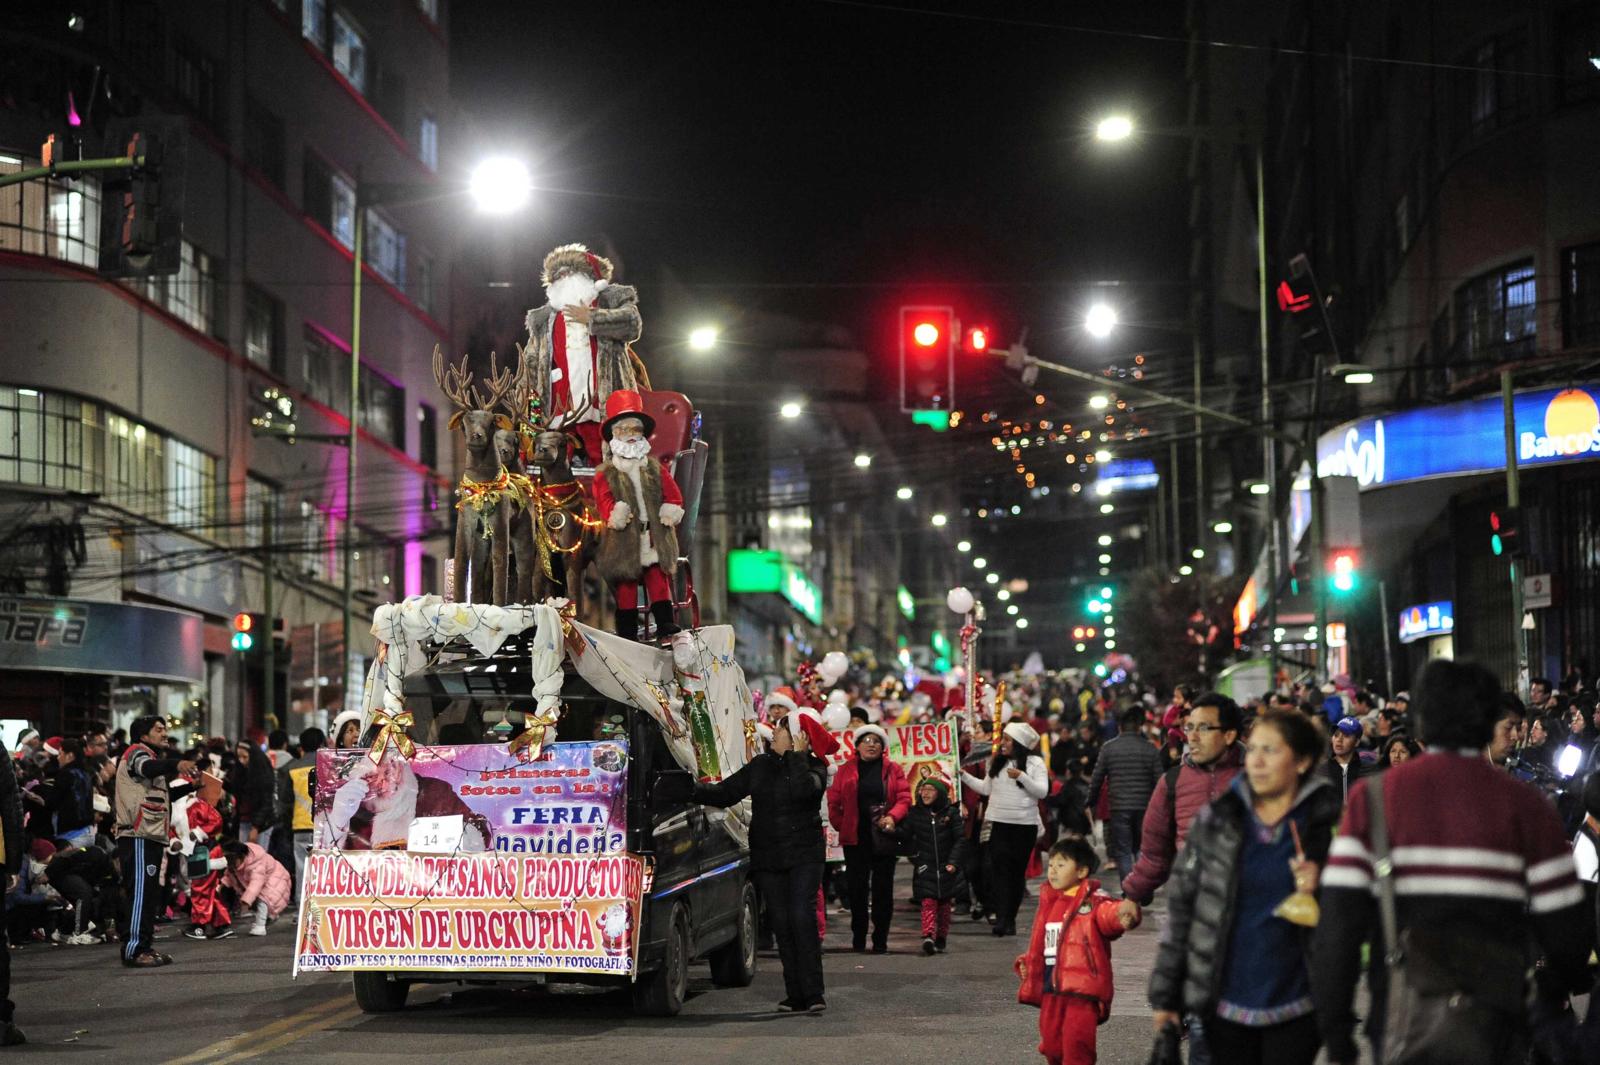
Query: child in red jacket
x=1067, y=969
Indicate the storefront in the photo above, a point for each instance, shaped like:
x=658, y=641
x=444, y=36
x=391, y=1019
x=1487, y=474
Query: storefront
x=775, y=609
x=68, y=664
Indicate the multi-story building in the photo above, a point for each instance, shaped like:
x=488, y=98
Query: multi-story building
x=134, y=498
x=1434, y=164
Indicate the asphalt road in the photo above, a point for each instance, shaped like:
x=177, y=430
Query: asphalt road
x=233, y=1001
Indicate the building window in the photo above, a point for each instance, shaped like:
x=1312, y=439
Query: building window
x=383, y=407
x=54, y=218
x=349, y=51
x=327, y=371
x=428, y=142
x=314, y=22
x=330, y=200
x=259, y=498
x=385, y=250
x=1495, y=314
x=1580, y=295
x=135, y=473
x=191, y=488
x=375, y=565
x=48, y=440
x=1495, y=93
x=193, y=295
x=194, y=80
x=263, y=329
x=263, y=141
x=421, y=287
x=1578, y=43
x=319, y=541
x=427, y=436
x=430, y=8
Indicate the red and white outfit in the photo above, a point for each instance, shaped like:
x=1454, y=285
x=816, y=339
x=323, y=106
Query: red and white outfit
x=1067, y=970
x=657, y=587
x=574, y=380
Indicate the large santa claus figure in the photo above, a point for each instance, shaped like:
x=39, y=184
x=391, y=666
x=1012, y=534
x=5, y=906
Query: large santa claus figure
x=579, y=341
x=640, y=508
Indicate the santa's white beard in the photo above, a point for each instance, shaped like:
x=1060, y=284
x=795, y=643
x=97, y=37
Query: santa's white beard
x=634, y=448
x=573, y=290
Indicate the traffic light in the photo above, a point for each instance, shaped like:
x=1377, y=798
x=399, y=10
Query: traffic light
x=141, y=208
x=243, y=626
x=1078, y=632
x=976, y=340
x=927, y=368
x=1289, y=300
x=1503, y=530
x=1343, y=567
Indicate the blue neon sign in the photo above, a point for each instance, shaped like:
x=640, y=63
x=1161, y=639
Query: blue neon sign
x=1552, y=425
x=1427, y=619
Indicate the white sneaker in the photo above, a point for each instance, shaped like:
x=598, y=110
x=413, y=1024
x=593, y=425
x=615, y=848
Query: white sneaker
x=258, y=930
x=82, y=939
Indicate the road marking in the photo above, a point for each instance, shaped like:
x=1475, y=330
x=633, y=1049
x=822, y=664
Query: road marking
x=244, y=1039
x=320, y=1024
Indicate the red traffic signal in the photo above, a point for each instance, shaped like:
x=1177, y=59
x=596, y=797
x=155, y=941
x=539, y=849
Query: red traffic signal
x=243, y=623
x=927, y=370
x=1289, y=301
x=1343, y=566
x=977, y=340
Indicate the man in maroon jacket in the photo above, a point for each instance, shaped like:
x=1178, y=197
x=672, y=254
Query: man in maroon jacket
x=1213, y=760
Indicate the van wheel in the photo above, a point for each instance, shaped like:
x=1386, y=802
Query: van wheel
x=661, y=994
x=380, y=993
x=734, y=965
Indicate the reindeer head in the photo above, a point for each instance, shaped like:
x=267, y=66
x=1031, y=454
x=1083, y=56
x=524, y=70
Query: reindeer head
x=475, y=413
x=550, y=449
x=508, y=449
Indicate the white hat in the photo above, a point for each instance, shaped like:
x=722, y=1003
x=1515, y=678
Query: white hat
x=1023, y=733
x=870, y=730
x=339, y=722
x=781, y=697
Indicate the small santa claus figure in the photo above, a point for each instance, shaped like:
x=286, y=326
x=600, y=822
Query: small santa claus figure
x=579, y=341
x=640, y=505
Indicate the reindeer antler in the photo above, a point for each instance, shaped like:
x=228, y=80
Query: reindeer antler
x=522, y=390
x=454, y=381
x=496, y=387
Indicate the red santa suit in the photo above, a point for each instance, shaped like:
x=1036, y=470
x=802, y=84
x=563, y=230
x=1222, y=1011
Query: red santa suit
x=640, y=507
x=204, y=908
x=574, y=379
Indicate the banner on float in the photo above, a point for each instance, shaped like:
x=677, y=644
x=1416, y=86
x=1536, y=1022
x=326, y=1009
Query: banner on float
x=570, y=801
x=922, y=751
x=491, y=912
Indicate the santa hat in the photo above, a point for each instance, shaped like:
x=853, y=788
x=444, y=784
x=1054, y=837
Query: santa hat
x=27, y=734
x=824, y=743
x=570, y=257
x=870, y=730
x=41, y=850
x=626, y=403
x=1022, y=733
x=52, y=746
x=779, y=701
x=341, y=721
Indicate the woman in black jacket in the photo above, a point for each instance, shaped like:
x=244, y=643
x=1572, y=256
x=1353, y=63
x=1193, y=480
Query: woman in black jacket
x=255, y=786
x=1227, y=957
x=785, y=786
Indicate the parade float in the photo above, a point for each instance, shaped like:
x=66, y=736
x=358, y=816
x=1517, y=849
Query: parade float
x=500, y=822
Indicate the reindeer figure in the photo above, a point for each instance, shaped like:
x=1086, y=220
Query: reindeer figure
x=508, y=447
x=483, y=527
x=563, y=527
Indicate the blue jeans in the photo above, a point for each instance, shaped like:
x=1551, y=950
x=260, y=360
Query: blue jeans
x=1122, y=839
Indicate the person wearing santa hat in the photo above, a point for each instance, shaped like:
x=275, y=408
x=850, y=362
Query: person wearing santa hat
x=640, y=507
x=1016, y=782
x=578, y=342
x=785, y=784
x=867, y=801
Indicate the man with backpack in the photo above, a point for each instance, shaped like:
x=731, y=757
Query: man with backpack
x=1213, y=759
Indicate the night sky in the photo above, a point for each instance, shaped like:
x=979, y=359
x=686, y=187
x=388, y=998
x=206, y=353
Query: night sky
x=832, y=158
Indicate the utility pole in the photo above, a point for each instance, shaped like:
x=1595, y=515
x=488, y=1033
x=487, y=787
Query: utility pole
x=1269, y=450
x=354, y=413
x=270, y=683
x=1513, y=503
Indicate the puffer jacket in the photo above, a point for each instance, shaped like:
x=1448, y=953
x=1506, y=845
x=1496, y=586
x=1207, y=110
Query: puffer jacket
x=260, y=876
x=1086, y=922
x=1167, y=819
x=1133, y=765
x=785, y=792
x=1192, y=955
x=935, y=837
x=844, y=812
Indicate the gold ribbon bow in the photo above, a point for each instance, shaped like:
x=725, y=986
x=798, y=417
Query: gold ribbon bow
x=392, y=728
x=530, y=743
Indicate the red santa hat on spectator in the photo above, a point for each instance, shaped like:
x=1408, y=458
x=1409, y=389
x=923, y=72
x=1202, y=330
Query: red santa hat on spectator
x=784, y=701
x=52, y=746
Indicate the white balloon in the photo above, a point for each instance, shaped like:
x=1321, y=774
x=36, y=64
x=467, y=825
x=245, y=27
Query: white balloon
x=836, y=717
x=834, y=665
x=960, y=600
x=838, y=697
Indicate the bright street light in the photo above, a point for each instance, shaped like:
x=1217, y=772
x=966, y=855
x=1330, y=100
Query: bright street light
x=1113, y=128
x=1105, y=539
x=1222, y=528
x=863, y=460
x=1352, y=373
x=964, y=546
x=1022, y=623
x=1100, y=320
x=1185, y=570
x=703, y=338
x=1013, y=609
x=790, y=409
x=500, y=185
x=1198, y=552
x=1003, y=594
x=1260, y=488
x=993, y=578
x=1106, y=508
x=1105, y=560
x=1099, y=402
x=1109, y=632
x=1102, y=455
x=980, y=562
x=938, y=521
x=903, y=492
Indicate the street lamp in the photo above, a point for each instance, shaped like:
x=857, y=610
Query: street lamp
x=500, y=185
x=903, y=492
x=1113, y=128
x=703, y=338
x=938, y=521
x=1099, y=402
x=980, y=562
x=1106, y=508
x=1352, y=373
x=1222, y=528
x=790, y=410
x=964, y=546
x=1100, y=320
x=863, y=460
